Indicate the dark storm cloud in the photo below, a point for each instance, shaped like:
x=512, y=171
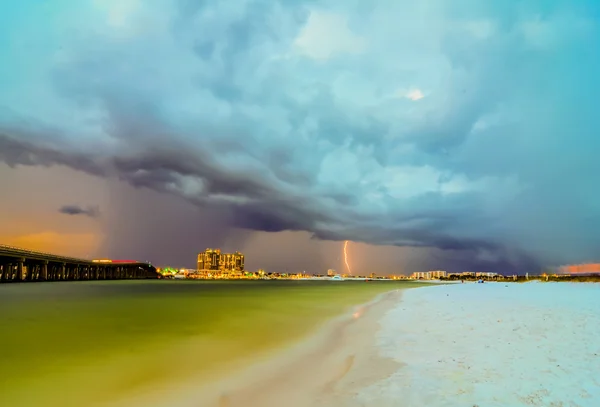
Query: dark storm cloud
x=17, y=150
x=92, y=212
x=473, y=132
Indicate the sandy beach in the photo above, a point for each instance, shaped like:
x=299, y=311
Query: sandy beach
x=492, y=344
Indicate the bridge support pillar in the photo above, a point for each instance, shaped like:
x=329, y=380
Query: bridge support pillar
x=44, y=271
x=20, y=270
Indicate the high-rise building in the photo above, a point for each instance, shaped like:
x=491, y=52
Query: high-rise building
x=231, y=262
x=214, y=260
x=209, y=260
x=239, y=261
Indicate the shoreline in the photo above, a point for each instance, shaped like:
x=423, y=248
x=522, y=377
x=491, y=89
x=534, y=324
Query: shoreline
x=134, y=343
x=320, y=369
x=368, y=365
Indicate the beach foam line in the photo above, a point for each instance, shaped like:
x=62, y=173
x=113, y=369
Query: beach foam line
x=492, y=345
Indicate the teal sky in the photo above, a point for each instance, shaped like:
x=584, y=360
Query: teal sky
x=469, y=130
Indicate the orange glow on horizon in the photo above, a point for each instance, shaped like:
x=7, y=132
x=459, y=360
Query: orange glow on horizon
x=582, y=268
x=80, y=245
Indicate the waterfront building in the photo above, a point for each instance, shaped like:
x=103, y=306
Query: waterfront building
x=429, y=275
x=231, y=262
x=486, y=274
x=435, y=274
x=472, y=274
x=209, y=260
x=214, y=260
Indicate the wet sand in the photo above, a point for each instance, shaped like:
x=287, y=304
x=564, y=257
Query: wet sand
x=326, y=370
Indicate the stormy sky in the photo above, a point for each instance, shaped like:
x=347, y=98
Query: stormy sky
x=457, y=135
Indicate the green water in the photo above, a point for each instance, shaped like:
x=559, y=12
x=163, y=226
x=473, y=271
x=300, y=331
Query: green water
x=79, y=343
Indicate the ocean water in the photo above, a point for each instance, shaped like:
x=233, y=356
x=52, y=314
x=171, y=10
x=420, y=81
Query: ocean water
x=492, y=345
x=79, y=344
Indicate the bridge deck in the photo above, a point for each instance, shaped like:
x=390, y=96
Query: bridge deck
x=10, y=251
x=18, y=264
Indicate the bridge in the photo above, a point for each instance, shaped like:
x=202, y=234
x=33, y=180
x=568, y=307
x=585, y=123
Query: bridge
x=18, y=264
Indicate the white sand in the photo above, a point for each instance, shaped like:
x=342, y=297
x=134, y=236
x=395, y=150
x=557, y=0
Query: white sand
x=493, y=344
x=459, y=345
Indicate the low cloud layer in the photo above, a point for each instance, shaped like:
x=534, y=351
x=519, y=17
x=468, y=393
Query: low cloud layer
x=470, y=129
x=91, y=212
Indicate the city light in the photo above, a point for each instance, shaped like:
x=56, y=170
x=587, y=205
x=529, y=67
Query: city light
x=346, y=256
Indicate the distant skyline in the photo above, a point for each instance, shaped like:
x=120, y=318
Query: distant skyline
x=430, y=136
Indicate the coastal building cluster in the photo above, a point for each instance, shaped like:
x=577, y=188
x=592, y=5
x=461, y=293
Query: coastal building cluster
x=442, y=275
x=215, y=264
x=230, y=269
x=472, y=275
x=212, y=261
x=428, y=275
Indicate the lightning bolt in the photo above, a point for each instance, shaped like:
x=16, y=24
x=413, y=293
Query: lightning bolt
x=346, y=256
